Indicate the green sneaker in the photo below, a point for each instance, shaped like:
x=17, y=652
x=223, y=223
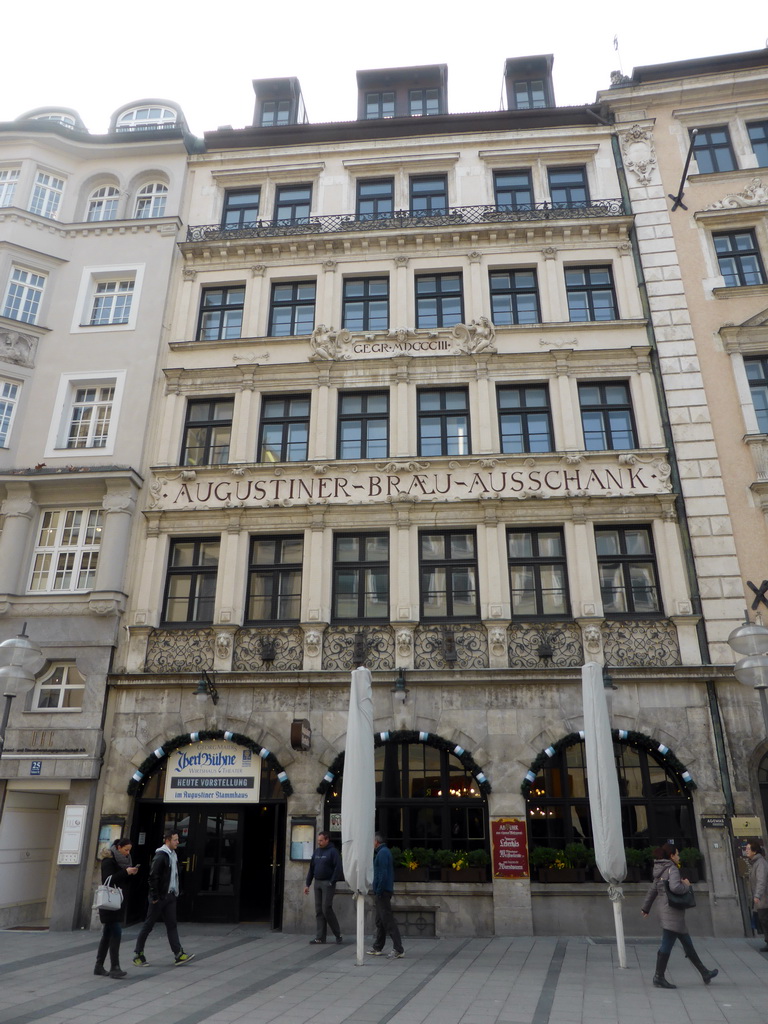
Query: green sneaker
x=184, y=958
x=140, y=960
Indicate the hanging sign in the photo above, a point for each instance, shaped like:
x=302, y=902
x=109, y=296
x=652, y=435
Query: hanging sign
x=214, y=771
x=509, y=844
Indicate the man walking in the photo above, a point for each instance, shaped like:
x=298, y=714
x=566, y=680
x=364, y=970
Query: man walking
x=383, y=887
x=758, y=883
x=163, y=891
x=325, y=869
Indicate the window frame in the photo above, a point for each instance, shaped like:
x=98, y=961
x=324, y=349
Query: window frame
x=366, y=420
x=435, y=198
x=360, y=569
x=441, y=297
x=420, y=100
x=709, y=152
x=282, y=204
x=210, y=428
x=56, y=445
x=64, y=690
x=91, y=279
x=758, y=386
x=103, y=204
x=47, y=193
x=9, y=179
x=232, y=206
x=443, y=415
x=739, y=275
x=279, y=571
x=526, y=414
x=296, y=303
x=449, y=565
x=625, y=562
x=74, y=560
x=571, y=197
x=529, y=85
x=386, y=197
x=369, y=320
x=375, y=102
x=499, y=189
x=90, y=416
x=111, y=302
x=759, y=145
x=199, y=575
x=28, y=287
x=515, y=292
x=604, y=407
x=590, y=289
x=9, y=404
x=272, y=112
x=535, y=563
x=221, y=312
x=151, y=201
x=287, y=420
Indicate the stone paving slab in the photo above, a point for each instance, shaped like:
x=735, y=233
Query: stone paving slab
x=245, y=974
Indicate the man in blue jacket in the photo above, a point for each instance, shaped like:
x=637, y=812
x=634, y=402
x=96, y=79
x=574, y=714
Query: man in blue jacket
x=383, y=887
x=325, y=869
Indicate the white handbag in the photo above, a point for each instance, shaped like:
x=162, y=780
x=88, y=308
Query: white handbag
x=108, y=897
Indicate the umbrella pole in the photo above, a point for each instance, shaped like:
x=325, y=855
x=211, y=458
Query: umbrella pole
x=616, y=896
x=360, y=912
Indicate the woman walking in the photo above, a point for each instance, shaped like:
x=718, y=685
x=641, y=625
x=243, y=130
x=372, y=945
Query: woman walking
x=116, y=863
x=666, y=868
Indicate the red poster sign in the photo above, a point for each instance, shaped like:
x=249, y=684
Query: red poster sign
x=509, y=842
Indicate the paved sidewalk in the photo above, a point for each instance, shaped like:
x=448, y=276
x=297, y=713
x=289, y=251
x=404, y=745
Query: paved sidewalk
x=244, y=974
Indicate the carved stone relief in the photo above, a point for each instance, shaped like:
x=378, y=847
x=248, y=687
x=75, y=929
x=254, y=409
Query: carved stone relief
x=755, y=194
x=639, y=153
x=18, y=348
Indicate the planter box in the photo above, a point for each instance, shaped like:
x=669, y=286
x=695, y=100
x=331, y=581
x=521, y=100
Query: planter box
x=462, y=875
x=564, y=875
x=417, y=875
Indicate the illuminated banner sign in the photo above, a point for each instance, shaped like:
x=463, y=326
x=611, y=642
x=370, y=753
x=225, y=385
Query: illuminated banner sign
x=255, y=487
x=214, y=771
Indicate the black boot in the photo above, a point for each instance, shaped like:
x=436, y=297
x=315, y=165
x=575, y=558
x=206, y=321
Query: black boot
x=659, y=981
x=101, y=955
x=114, y=958
x=706, y=976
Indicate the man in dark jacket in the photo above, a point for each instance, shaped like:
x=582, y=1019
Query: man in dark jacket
x=325, y=869
x=383, y=887
x=163, y=891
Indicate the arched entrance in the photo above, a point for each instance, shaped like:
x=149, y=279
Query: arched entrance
x=225, y=796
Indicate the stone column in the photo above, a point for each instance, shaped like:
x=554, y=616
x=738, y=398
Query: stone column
x=485, y=434
x=19, y=510
x=119, y=504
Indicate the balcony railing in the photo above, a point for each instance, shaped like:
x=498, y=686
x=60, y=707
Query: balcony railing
x=399, y=220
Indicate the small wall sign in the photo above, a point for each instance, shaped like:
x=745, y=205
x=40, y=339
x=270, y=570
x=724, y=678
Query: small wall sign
x=509, y=844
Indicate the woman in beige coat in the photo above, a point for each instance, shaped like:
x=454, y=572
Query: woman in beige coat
x=758, y=883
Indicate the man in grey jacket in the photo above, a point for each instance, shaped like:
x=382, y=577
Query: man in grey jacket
x=163, y=890
x=758, y=883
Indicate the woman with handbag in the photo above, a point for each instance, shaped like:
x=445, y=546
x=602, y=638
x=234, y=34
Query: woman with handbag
x=674, y=894
x=116, y=869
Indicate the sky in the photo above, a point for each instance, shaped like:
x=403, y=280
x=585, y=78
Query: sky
x=95, y=57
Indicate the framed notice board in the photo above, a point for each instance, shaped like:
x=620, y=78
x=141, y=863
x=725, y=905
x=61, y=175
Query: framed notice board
x=509, y=845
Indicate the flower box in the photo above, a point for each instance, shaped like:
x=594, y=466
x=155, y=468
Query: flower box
x=412, y=875
x=462, y=875
x=565, y=875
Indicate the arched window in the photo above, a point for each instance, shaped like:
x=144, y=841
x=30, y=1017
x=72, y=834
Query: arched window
x=425, y=797
x=150, y=200
x=655, y=805
x=63, y=119
x=152, y=117
x=103, y=203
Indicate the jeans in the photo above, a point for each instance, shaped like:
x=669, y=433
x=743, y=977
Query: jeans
x=386, y=923
x=164, y=910
x=668, y=941
x=324, y=913
x=111, y=934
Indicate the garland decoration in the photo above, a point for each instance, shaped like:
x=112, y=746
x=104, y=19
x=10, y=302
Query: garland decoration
x=413, y=736
x=628, y=736
x=150, y=764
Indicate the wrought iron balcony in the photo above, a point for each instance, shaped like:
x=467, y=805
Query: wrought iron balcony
x=400, y=220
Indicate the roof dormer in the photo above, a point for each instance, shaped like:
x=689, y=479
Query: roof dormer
x=402, y=92
x=278, y=102
x=528, y=82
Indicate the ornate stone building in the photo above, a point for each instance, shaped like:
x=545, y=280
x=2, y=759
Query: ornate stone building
x=88, y=227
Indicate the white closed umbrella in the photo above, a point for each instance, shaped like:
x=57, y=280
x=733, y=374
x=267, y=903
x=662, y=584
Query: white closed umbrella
x=604, y=797
x=358, y=799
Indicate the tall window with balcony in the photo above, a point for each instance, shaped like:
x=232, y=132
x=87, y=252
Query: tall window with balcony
x=292, y=308
x=363, y=425
x=221, y=313
x=365, y=306
x=241, y=209
x=448, y=575
x=103, y=203
x=591, y=295
x=513, y=190
x=9, y=179
x=151, y=200
x=9, y=398
x=568, y=187
x=758, y=137
x=538, y=580
x=190, y=583
x=292, y=204
x=46, y=195
x=525, y=422
x=274, y=579
x=606, y=416
x=514, y=297
x=757, y=375
x=626, y=564
x=443, y=415
x=90, y=417
x=429, y=196
x=360, y=577
x=207, y=432
x=284, y=430
x=379, y=104
x=375, y=199
x=23, y=295
x=713, y=151
x=422, y=102
x=739, y=258
x=439, y=300
x=66, y=554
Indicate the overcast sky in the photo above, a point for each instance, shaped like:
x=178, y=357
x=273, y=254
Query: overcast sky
x=95, y=56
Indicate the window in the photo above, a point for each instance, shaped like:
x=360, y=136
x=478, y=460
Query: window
x=46, y=194
x=429, y=196
x=61, y=689
x=363, y=425
x=274, y=579
x=375, y=199
x=275, y=112
x=284, y=434
x=513, y=190
x=590, y=294
x=190, y=586
x=67, y=550
x=9, y=397
x=366, y=304
x=606, y=416
x=439, y=300
x=758, y=136
x=241, y=209
x=739, y=258
x=530, y=95
x=379, y=104
x=221, y=313
x=712, y=149
x=65, y=120
x=146, y=117
x=103, y=203
x=292, y=204
x=207, y=432
x=538, y=580
x=627, y=567
x=292, y=310
x=514, y=297
x=111, y=303
x=757, y=375
x=568, y=187
x=525, y=423
x=150, y=200
x=443, y=422
x=423, y=101
x=9, y=178
x=360, y=577
x=22, y=300
x=90, y=417
x=448, y=573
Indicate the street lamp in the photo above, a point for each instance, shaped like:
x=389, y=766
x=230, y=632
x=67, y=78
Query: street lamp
x=20, y=659
x=751, y=639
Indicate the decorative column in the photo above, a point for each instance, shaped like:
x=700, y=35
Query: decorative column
x=119, y=504
x=19, y=510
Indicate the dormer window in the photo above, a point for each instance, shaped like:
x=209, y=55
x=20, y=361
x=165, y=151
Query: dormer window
x=149, y=117
x=63, y=119
x=402, y=92
x=423, y=101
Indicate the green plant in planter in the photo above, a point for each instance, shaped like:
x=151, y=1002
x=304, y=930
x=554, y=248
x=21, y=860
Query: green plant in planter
x=418, y=857
x=478, y=858
x=637, y=858
x=577, y=855
x=690, y=857
x=543, y=857
x=397, y=856
x=444, y=858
